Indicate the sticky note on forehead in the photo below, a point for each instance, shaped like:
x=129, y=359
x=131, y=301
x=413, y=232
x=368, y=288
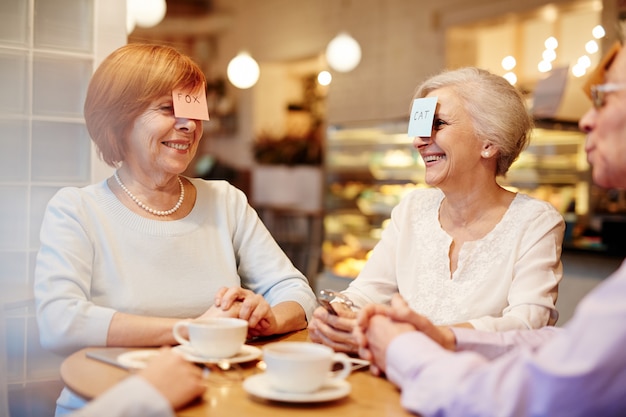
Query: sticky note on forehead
x=422, y=116
x=190, y=104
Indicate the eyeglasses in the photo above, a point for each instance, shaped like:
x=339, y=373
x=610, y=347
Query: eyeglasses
x=599, y=92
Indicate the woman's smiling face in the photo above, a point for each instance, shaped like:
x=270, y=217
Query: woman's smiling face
x=160, y=143
x=453, y=150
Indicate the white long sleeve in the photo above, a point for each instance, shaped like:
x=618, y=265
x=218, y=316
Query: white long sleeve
x=98, y=257
x=506, y=280
x=132, y=397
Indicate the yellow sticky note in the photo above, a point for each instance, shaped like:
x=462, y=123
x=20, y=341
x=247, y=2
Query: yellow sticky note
x=190, y=104
x=422, y=116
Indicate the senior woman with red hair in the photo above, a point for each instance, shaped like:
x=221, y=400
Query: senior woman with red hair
x=123, y=260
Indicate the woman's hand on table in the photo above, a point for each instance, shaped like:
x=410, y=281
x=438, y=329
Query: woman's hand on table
x=335, y=331
x=167, y=367
x=244, y=304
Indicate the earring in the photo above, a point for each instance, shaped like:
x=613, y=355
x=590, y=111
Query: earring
x=485, y=154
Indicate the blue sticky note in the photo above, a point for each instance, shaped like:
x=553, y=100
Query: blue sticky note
x=422, y=116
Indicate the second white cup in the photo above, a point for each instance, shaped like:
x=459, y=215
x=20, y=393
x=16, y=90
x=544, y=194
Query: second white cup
x=302, y=367
x=218, y=338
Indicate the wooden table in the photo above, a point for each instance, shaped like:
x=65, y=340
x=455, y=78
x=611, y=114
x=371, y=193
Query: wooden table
x=370, y=395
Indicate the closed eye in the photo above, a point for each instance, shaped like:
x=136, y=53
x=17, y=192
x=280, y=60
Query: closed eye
x=438, y=124
x=169, y=109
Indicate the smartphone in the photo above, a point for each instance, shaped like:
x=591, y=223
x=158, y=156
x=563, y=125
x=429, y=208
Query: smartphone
x=327, y=305
x=323, y=298
x=109, y=355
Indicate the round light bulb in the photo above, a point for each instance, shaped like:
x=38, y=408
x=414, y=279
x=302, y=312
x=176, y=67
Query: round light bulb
x=343, y=53
x=591, y=47
x=578, y=70
x=551, y=43
x=598, y=32
x=147, y=13
x=130, y=18
x=548, y=55
x=324, y=78
x=584, y=61
x=510, y=77
x=243, y=71
x=544, y=66
x=508, y=63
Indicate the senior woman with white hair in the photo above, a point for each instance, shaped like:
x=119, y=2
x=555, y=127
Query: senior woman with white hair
x=531, y=369
x=465, y=252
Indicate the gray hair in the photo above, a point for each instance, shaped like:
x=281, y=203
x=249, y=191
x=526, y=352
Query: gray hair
x=496, y=108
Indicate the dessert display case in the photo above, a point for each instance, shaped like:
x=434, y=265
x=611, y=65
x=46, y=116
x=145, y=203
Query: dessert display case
x=371, y=166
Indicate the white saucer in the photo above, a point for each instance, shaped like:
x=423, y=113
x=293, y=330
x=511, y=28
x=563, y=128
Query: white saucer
x=258, y=385
x=136, y=359
x=246, y=353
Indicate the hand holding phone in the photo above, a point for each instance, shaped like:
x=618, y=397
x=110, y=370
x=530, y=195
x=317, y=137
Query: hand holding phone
x=325, y=297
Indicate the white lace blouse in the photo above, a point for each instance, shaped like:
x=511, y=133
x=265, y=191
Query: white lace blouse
x=506, y=280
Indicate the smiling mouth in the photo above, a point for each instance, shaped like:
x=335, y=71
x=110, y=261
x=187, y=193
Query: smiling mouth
x=177, y=146
x=432, y=158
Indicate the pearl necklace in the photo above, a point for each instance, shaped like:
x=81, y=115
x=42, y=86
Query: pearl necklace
x=149, y=209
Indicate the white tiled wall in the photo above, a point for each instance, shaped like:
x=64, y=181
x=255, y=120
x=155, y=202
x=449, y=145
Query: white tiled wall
x=48, y=50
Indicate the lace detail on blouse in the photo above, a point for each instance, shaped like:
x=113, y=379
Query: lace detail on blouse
x=447, y=299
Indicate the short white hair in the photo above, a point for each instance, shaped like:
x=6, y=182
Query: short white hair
x=496, y=108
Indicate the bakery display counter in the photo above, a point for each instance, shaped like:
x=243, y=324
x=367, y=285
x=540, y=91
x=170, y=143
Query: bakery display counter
x=370, y=166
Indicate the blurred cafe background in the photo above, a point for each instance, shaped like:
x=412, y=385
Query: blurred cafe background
x=309, y=104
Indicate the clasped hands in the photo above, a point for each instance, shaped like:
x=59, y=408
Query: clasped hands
x=370, y=331
x=244, y=304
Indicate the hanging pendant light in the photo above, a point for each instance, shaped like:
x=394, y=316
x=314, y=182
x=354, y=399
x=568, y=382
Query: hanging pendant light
x=343, y=53
x=144, y=13
x=243, y=71
x=131, y=23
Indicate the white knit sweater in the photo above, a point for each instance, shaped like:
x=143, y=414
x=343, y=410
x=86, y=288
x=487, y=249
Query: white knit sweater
x=98, y=257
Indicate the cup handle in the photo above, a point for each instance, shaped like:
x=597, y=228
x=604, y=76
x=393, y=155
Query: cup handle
x=176, y=332
x=343, y=372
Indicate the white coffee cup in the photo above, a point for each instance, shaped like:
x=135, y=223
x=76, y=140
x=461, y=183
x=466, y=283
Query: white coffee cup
x=302, y=367
x=218, y=338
